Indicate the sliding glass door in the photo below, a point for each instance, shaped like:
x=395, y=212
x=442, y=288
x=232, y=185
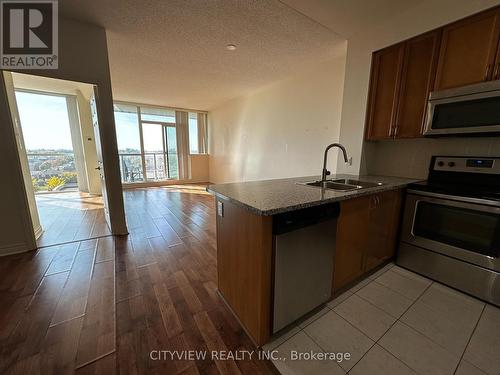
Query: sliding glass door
x=147, y=141
x=154, y=155
x=160, y=151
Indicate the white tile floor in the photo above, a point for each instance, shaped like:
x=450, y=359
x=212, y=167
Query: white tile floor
x=396, y=322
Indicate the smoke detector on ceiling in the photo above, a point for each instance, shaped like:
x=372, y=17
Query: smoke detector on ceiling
x=231, y=47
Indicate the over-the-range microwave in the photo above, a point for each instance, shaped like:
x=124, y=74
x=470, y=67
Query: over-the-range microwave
x=466, y=110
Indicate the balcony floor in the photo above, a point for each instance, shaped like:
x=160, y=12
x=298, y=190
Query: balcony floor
x=71, y=216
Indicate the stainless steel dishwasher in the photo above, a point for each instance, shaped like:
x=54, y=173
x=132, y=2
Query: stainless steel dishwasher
x=304, y=245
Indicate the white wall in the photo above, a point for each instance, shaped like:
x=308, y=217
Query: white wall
x=280, y=130
x=199, y=168
x=425, y=16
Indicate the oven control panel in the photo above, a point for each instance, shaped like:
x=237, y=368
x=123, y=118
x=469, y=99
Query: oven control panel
x=467, y=164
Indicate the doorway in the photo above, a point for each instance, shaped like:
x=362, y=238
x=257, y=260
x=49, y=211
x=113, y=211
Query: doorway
x=58, y=153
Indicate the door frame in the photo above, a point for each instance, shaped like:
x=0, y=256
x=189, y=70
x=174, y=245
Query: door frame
x=24, y=212
x=117, y=219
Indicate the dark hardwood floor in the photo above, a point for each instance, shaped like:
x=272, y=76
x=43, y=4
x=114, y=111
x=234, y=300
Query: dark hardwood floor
x=101, y=306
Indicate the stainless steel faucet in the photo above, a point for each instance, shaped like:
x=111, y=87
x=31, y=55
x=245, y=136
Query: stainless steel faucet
x=326, y=172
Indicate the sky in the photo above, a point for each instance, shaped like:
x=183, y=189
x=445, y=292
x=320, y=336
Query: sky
x=45, y=125
x=127, y=131
x=44, y=121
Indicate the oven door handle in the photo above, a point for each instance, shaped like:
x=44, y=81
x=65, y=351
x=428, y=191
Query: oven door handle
x=457, y=198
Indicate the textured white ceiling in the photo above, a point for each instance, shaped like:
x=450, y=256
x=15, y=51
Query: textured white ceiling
x=173, y=52
x=350, y=17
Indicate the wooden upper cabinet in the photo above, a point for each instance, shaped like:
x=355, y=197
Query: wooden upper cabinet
x=402, y=76
x=417, y=79
x=496, y=69
x=468, y=50
x=384, y=91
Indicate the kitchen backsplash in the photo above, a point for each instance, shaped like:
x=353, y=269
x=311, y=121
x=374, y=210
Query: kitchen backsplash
x=411, y=157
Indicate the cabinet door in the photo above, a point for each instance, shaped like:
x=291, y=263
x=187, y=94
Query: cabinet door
x=496, y=69
x=468, y=49
x=384, y=91
x=417, y=79
x=352, y=229
x=383, y=228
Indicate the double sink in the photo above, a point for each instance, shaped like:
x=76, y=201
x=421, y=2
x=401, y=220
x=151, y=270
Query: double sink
x=342, y=184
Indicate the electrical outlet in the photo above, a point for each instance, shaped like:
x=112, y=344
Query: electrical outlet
x=220, y=208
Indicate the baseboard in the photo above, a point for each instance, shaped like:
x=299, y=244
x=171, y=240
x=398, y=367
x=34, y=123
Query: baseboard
x=136, y=185
x=14, y=249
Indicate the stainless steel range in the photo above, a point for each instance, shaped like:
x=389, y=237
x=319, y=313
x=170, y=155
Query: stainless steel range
x=451, y=225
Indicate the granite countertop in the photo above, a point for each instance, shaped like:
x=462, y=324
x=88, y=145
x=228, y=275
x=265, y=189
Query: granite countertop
x=272, y=197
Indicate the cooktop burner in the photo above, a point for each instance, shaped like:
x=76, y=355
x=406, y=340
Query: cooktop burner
x=475, y=177
x=472, y=191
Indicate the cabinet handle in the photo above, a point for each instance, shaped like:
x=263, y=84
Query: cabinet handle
x=495, y=73
x=487, y=73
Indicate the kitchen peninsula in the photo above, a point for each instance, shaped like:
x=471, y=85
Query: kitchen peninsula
x=366, y=211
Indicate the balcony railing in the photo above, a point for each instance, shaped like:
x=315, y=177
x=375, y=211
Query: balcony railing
x=131, y=167
x=158, y=166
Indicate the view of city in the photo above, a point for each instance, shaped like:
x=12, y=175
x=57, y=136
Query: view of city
x=52, y=170
x=47, y=138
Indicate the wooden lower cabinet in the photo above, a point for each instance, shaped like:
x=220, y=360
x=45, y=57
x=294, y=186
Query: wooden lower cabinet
x=244, y=268
x=367, y=231
x=383, y=228
x=366, y=236
x=352, y=233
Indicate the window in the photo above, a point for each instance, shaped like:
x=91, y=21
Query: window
x=129, y=142
x=173, y=160
x=158, y=115
x=193, y=133
x=147, y=142
x=47, y=136
x=127, y=129
x=197, y=133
